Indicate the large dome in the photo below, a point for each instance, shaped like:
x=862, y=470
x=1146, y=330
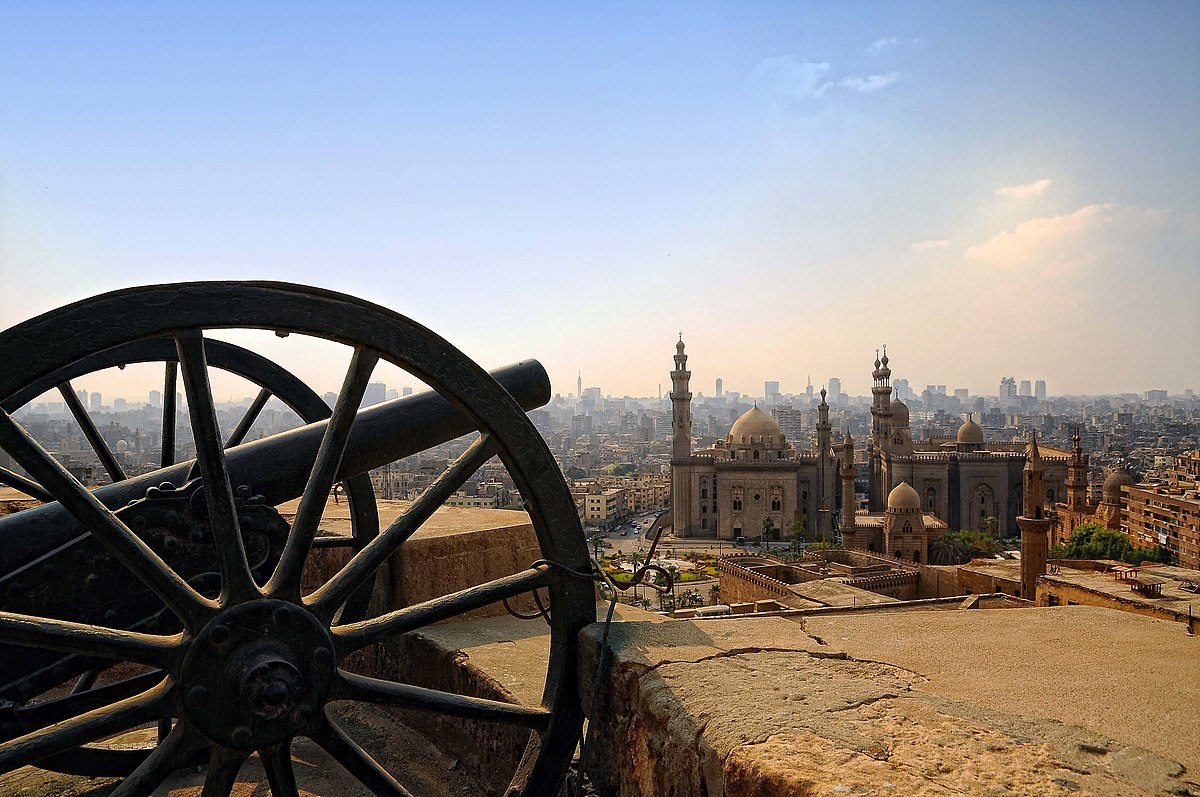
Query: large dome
x=1112, y=485
x=899, y=414
x=970, y=432
x=903, y=496
x=755, y=423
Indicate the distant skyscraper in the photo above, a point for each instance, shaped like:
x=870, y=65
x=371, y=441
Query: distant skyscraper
x=331, y=399
x=392, y=394
x=770, y=389
x=155, y=398
x=1026, y=389
x=579, y=384
x=1008, y=388
x=720, y=387
x=593, y=395
x=1039, y=390
x=96, y=404
x=120, y=405
x=376, y=392
x=903, y=391
x=82, y=395
x=962, y=393
x=406, y=391
x=835, y=389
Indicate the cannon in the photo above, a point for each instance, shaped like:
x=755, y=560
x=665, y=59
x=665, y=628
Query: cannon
x=188, y=581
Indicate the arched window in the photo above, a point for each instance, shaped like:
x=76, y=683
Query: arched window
x=737, y=503
x=776, y=504
x=930, y=499
x=907, y=528
x=916, y=556
x=704, y=492
x=756, y=455
x=1050, y=495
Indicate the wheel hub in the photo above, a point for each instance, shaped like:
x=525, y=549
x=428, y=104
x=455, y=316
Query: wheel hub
x=257, y=674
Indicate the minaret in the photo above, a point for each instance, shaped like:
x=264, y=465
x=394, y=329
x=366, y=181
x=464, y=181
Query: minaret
x=1033, y=522
x=1077, y=482
x=823, y=427
x=881, y=428
x=825, y=476
x=849, y=528
x=681, y=406
x=579, y=385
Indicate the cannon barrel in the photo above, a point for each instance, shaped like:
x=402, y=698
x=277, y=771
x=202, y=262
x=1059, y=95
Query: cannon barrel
x=277, y=467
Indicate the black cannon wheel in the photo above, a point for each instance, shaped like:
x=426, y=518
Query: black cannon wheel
x=237, y=684
x=272, y=381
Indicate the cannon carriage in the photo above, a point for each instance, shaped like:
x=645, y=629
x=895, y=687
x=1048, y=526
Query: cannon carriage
x=187, y=582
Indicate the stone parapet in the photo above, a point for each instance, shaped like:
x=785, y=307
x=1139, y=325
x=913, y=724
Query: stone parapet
x=760, y=708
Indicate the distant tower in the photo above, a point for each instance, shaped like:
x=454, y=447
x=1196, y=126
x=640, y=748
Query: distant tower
x=1039, y=390
x=835, y=389
x=881, y=427
x=808, y=391
x=1077, y=481
x=681, y=441
x=720, y=387
x=825, y=466
x=1033, y=522
x=849, y=528
x=579, y=385
x=681, y=406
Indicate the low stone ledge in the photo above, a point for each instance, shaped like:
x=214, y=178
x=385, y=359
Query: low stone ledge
x=731, y=708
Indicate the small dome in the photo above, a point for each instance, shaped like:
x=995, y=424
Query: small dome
x=970, y=432
x=679, y=345
x=899, y=414
x=122, y=446
x=903, y=496
x=755, y=423
x=1114, y=482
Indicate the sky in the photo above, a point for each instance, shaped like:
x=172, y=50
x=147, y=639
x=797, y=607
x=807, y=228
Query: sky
x=992, y=189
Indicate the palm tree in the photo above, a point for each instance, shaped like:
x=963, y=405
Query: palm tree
x=714, y=594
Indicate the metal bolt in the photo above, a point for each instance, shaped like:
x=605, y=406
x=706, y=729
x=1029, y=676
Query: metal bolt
x=322, y=657
x=219, y=635
x=197, y=696
x=242, y=736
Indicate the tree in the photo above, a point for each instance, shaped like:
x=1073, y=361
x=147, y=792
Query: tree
x=768, y=526
x=798, y=530
x=576, y=472
x=714, y=594
x=1093, y=541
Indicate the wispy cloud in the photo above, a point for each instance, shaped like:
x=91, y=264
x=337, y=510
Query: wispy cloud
x=888, y=41
x=939, y=245
x=1035, y=188
x=793, y=77
x=1057, y=243
x=868, y=84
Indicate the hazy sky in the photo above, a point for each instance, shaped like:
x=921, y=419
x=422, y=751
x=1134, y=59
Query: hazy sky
x=992, y=189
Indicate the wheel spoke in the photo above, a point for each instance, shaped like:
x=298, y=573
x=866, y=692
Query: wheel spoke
x=84, y=728
x=353, y=636
x=325, y=601
x=171, y=754
x=387, y=693
x=170, y=378
x=237, y=584
x=88, y=640
x=285, y=583
x=224, y=764
x=281, y=776
x=30, y=488
x=38, y=715
x=95, y=439
x=248, y=419
x=355, y=760
x=126, y=546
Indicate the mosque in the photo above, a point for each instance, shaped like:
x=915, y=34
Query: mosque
x=755, y=481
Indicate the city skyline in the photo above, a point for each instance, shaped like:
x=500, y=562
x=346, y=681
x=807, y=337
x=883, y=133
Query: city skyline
x=991, y=189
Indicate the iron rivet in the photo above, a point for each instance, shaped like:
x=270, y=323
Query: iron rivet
x=322, y=657
x=219, y=635
x=242, y=736
x=282, y=615
x=197, y=696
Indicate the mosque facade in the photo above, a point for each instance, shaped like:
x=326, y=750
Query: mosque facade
x=755, y=481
